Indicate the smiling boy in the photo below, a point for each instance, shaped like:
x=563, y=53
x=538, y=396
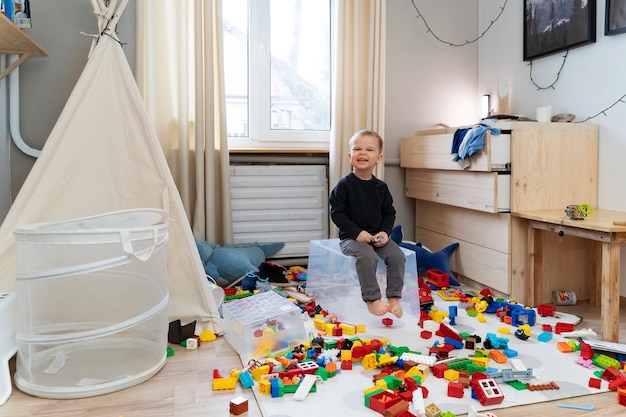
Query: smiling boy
x=362, y=208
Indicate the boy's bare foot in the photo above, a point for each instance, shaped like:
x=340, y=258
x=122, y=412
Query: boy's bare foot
x=394, y=307
x=378, y=307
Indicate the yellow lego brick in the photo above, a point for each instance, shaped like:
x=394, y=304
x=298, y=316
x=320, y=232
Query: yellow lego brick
x=224, y=383
x=381, y=384
x=346, y=355
x=349, y=329
x=413, y=371
x=257, y=373
x=451, y=374
x=386, y=359
x=504, y=330
x=360, y=328
x=265, y=387
x=482, y=361
x=369, y=390
x=369, y=361
x=319, y=323
x=437, y=315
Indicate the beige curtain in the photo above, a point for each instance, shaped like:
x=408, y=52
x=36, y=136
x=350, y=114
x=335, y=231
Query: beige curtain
x=359, y=91
x=179, y=71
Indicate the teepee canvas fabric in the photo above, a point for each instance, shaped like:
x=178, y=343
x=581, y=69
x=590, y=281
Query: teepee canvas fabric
x=103, y=155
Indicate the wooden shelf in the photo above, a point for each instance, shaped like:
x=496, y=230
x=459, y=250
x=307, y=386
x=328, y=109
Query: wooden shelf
x=14, y=40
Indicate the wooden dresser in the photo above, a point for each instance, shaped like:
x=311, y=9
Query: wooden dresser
x=529, y=166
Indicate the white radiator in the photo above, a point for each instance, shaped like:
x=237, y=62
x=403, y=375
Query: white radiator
x=280, y=203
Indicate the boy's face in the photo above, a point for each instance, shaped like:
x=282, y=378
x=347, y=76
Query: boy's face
x=364, y=153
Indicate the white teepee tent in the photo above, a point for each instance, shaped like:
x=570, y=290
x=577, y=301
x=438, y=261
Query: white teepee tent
x=103, y=155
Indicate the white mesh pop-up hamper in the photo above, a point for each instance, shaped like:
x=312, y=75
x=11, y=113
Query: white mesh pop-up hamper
x=92, y=297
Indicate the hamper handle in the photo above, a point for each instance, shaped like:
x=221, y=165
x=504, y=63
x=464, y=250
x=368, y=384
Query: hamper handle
x=142, y=255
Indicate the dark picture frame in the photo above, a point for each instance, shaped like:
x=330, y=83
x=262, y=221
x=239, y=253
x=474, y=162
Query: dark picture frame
x=615, y=17
x=552, y=26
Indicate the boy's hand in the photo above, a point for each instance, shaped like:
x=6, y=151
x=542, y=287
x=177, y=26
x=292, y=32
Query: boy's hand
x=380, y=239
x=365, y=237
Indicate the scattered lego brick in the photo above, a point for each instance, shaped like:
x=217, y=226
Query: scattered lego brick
x=541, y=387
x=238, y=406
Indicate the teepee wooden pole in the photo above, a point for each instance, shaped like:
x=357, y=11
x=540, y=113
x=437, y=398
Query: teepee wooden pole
x=117, y=12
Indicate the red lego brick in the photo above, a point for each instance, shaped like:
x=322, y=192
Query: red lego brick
x=446, y=330
x=586, y=352
x=383, y=400
x=487, y=391
x=455, y=389
x=561, y=327
x=546, y=310
x=438, y=369
x=437, y=278
x=595, y=383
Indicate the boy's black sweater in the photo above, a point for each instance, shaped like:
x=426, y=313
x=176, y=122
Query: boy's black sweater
x=357, y=204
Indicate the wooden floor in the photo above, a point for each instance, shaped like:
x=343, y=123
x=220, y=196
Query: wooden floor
x=183, y=388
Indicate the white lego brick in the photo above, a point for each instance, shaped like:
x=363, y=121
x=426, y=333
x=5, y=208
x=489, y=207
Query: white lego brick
x=517, y=364
x=305, y=387
x=428, y=360
x=418, y=403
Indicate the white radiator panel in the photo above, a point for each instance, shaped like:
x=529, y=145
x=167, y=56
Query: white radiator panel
x=280, y=203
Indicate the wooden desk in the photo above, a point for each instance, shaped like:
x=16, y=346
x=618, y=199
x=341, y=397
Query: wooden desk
x=599, y=227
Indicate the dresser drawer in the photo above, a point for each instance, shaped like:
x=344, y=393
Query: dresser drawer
x=433, y=151
x=486, y=266
x=483, y=191
x=484, y=253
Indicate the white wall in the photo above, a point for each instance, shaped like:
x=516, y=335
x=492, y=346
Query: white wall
x=47, y=81
x=591, y=80
x=427, y=82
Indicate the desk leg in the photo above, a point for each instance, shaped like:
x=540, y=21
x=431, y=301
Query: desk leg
x=595, y=283
x=610, y=291
x=535, y=266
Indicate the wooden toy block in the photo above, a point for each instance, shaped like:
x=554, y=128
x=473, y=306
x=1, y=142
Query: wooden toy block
x=238, y=405
x=432, y=410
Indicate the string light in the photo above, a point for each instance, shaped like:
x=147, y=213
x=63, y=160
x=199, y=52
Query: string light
x=539, y=88
x=429, y=30
x=619, y=100
x=558, y=74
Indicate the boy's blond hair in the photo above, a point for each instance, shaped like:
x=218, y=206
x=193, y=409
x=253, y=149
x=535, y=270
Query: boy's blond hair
x=366, y=132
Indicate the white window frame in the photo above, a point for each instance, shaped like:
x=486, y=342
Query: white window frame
x=261, y=136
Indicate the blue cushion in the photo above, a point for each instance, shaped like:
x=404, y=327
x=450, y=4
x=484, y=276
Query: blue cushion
x=228, y=263
x=426, y=259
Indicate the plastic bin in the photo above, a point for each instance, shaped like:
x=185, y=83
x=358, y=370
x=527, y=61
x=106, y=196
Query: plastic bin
x=333, y=282
x=263, y=324
x=7, y=343
x=92, y=297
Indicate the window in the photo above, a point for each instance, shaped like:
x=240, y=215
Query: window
x=277, y=59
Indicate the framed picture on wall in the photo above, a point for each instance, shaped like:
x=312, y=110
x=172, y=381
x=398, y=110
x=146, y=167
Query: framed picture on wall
x=551, y=26
x=615, y=17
